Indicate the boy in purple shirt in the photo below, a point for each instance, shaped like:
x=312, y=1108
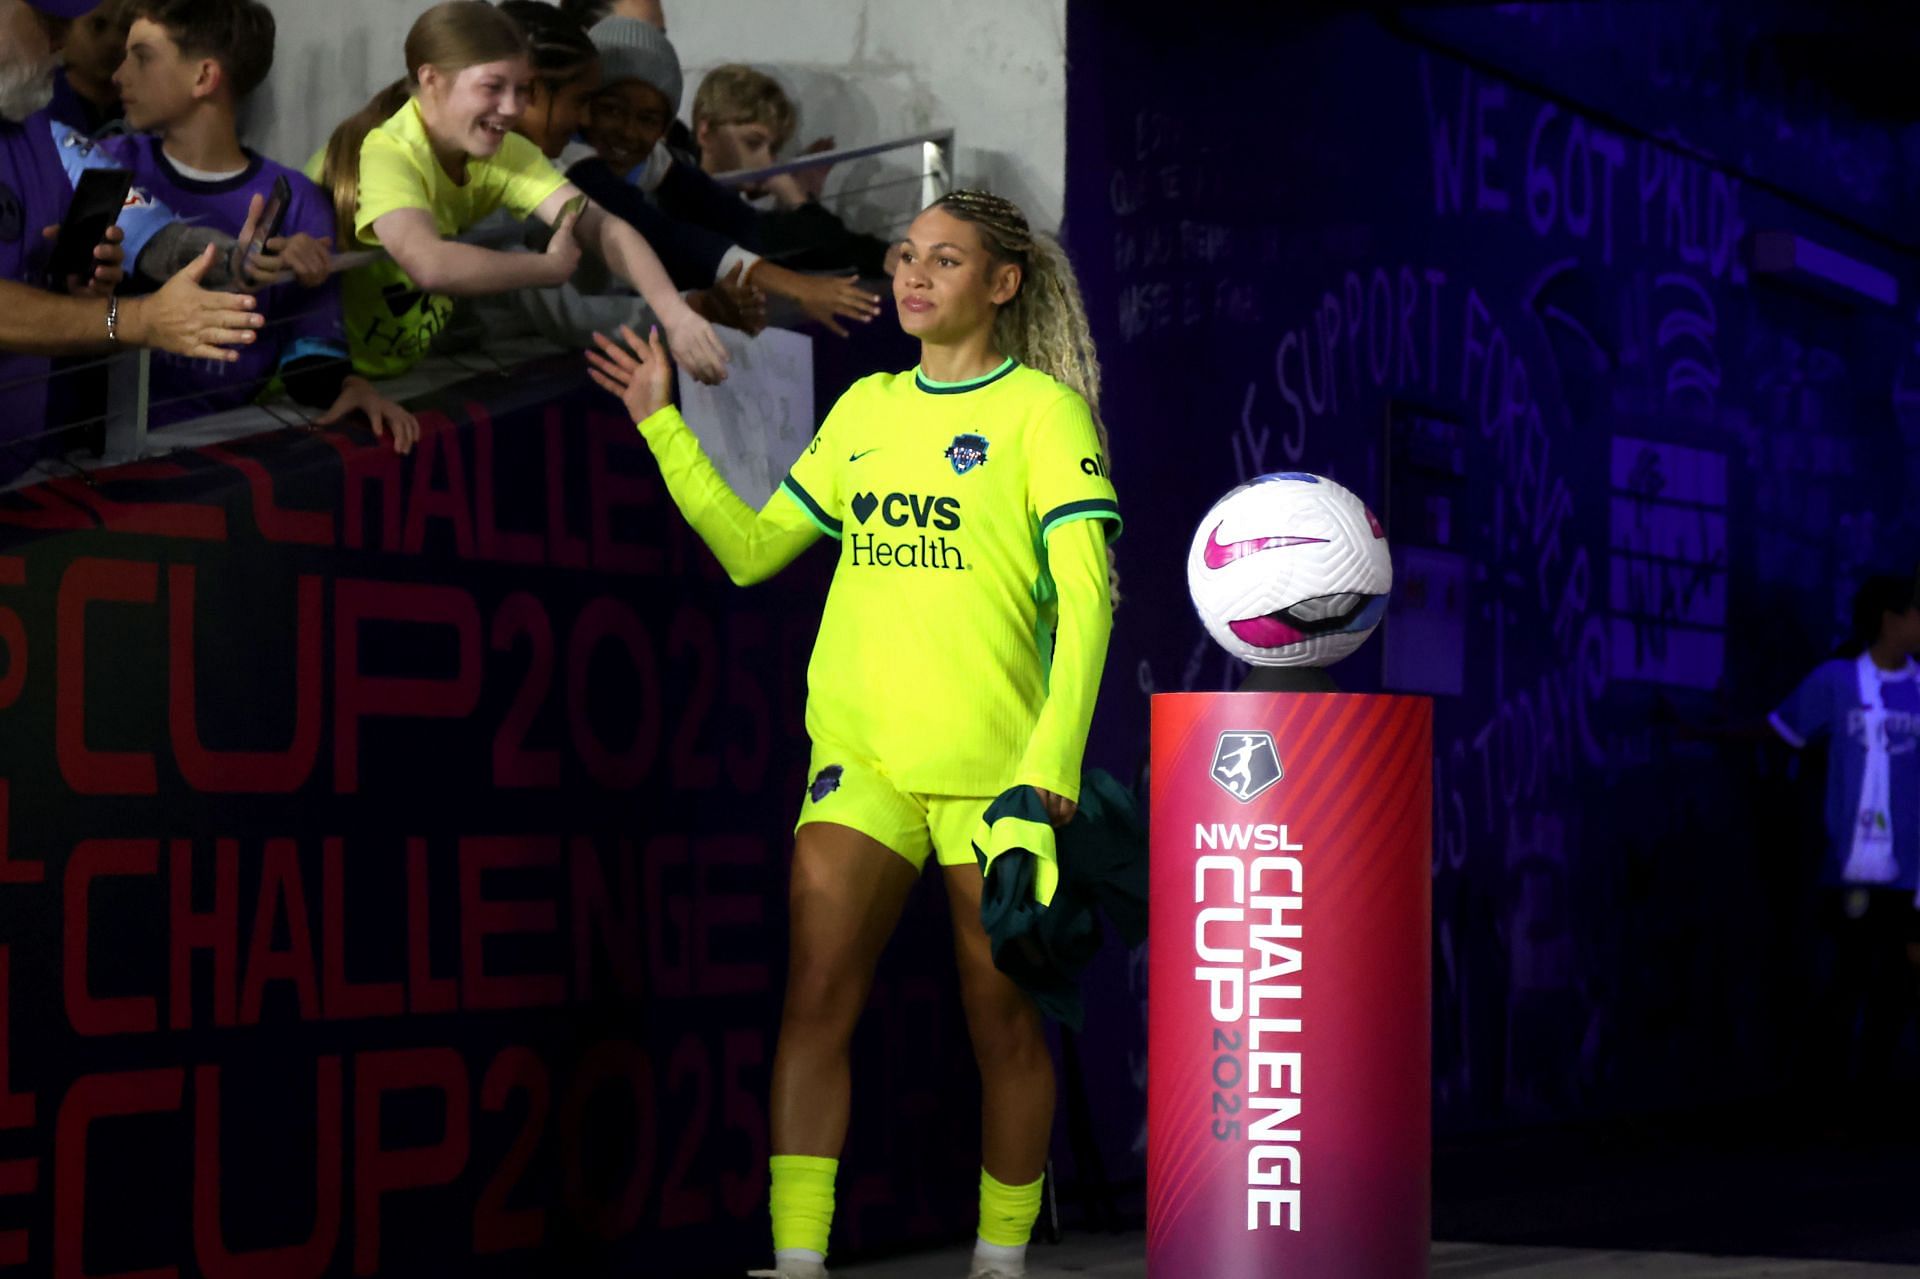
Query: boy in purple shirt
x=40, y=161
x=189, y=64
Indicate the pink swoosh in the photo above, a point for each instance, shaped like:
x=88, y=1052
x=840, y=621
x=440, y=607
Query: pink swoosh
x=1266, y=632
x=1218, y=554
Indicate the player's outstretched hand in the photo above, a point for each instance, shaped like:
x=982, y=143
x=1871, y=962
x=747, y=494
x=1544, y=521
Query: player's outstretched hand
x=639, y=373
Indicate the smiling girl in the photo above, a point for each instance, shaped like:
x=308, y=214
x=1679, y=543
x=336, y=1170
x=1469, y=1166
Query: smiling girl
x=958, y=658
x=435, y=153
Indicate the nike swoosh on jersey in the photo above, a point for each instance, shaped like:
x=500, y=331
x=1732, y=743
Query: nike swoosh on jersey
x=862, y=453
x=1219, y=554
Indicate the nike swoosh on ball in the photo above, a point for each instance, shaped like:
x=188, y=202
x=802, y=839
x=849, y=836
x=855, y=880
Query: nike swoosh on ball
x=1218, y=554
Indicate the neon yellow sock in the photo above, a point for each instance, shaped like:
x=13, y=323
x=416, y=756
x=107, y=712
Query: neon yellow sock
x=1007, y=1213
x=802, y=1195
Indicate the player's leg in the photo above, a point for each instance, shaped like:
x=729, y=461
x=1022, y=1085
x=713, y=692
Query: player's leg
x=1016, y=1077
x=857, y=852
x=847, y=892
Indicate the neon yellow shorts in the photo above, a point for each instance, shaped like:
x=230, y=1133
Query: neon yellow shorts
x=848, y=791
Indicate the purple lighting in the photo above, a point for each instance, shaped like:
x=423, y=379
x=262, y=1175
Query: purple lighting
x=1782, y=253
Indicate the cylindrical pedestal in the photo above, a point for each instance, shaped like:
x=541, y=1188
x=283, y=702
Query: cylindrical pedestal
x=1288, y=1133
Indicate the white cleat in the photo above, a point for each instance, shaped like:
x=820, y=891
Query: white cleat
x=989, y=1270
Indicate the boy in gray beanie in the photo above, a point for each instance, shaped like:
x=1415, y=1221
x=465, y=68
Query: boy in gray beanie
x=641, y=87
x=639, y=102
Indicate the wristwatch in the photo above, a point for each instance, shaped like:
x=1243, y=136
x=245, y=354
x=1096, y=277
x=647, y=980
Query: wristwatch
x=113, y=320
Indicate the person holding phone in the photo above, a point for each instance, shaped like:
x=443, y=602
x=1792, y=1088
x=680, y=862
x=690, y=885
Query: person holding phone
x=40, y=164
x=436, y=152
x=91, y=221
x=189, y=65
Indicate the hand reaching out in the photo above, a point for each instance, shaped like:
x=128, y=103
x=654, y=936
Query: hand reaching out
x=827, y=299
x=310, y=261
x=813, y=181
x=732, y=302
x=698, y=347
x=639, y=373
x=188, y=320
x=563, y=250
x=357, y=395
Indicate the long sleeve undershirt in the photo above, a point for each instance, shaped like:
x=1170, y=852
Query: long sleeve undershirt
x=1077, y=553
x=751, y=545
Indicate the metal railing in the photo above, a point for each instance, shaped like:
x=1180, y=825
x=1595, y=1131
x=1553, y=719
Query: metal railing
x=124, y=426
x=936, y=164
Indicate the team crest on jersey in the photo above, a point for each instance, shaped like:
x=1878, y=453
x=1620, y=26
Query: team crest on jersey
x=826, y=783
x=967, y=452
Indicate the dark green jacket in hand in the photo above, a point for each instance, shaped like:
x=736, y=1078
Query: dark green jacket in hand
x=1046, y=888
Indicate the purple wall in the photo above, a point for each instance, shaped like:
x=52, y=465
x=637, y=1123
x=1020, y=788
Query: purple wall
x=1629, y=480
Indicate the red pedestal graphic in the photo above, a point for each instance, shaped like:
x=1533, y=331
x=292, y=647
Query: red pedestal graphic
x=1288, y=1131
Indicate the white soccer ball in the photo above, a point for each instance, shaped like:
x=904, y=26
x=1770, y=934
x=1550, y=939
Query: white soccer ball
x=1290, y=570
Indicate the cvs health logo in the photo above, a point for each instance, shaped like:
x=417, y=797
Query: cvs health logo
x=898, y=510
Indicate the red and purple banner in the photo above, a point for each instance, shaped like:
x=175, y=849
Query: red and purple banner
x=393, y=869
x=1287, y=1094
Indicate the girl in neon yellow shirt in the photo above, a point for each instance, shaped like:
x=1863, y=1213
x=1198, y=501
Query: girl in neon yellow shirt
x=958, y=656
x=435, y=153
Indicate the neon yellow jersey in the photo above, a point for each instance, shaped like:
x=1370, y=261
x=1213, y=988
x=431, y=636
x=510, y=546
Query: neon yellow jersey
x=391, y=322
x=935, y=644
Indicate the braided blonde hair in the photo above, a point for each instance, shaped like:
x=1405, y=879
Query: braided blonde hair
x=1045, y=325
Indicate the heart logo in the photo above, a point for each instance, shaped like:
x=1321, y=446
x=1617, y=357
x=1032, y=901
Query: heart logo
x=864, y=505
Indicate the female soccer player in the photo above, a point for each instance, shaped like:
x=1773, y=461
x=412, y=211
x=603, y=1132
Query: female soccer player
x=435, y=153
x=958, y=656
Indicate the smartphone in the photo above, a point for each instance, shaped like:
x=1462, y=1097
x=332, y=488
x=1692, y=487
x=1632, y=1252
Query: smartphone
x=273, y=217
x=98, y=197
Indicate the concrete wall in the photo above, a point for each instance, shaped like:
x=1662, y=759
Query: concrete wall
x=860, y=70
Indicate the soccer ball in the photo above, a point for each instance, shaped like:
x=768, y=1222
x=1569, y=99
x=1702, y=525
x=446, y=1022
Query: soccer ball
x=1290, y=570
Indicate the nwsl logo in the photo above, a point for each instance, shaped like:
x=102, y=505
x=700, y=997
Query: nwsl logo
x=1246, y=764
x=967, y=452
